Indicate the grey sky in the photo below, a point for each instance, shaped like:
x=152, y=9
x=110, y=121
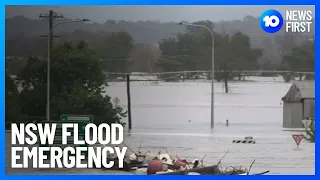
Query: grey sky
x=163, y=13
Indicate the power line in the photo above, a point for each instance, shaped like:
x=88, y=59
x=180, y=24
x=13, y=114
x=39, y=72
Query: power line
x=206, y=71
x=51, y=17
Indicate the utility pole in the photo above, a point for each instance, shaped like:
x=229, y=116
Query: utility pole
x=51, y=17
x=129, y=102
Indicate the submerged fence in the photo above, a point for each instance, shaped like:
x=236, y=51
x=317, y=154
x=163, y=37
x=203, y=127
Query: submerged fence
x=206, y=75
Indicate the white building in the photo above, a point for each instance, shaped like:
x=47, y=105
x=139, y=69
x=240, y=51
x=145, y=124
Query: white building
x=298, y=104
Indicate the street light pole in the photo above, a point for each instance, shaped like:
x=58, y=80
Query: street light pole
x=49, y=59
x=212, y=68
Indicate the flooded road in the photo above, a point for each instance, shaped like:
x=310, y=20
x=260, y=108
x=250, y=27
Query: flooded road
x=176, y=117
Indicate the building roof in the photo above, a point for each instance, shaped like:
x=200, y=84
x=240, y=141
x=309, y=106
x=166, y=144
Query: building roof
x=300, y=90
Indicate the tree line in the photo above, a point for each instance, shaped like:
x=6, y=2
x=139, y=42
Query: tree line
x=117, y=50
x=27, y=31
x=81, y=59
x=77, y=86
x=120, y=53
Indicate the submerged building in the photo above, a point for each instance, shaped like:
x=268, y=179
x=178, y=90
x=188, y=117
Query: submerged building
x=298, y=104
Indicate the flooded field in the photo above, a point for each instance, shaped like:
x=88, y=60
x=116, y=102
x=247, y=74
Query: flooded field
x=176, y=116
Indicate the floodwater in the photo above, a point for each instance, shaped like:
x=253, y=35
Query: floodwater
x=175, y=117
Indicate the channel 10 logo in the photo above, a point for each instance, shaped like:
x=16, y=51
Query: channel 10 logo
x=271, y=21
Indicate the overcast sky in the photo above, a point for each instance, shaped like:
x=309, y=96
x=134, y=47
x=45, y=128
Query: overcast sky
x=163, y=13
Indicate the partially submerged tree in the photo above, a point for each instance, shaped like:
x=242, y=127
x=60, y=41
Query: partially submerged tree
x=192, y=51
x=115, y=50
x=144, y=57
x=301, y=59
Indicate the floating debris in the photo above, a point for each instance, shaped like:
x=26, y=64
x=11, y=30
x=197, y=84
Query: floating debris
x=163, y=164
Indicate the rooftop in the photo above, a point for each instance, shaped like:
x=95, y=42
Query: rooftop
x=300, y=90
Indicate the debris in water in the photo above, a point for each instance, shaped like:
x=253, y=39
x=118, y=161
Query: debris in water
x=163, y=164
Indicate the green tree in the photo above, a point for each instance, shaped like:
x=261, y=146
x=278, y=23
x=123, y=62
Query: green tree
x=77, y=84
x=144, y=57
x=311, y=133
x=192, y=51
x=301, y=58
x=174, y=57
x=12, y=103
x=115, y=49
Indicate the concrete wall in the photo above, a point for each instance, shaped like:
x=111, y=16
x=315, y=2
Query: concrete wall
x=292, y=115
x=308, y=108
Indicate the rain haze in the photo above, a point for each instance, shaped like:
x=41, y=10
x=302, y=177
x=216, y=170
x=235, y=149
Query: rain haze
x=153, y=13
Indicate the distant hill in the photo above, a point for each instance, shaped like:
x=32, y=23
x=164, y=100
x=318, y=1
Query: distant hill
x=151, y=32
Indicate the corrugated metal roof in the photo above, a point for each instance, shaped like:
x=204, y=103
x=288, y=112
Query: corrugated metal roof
x=300, y=90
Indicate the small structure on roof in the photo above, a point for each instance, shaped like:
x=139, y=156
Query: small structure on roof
x=298, y=104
